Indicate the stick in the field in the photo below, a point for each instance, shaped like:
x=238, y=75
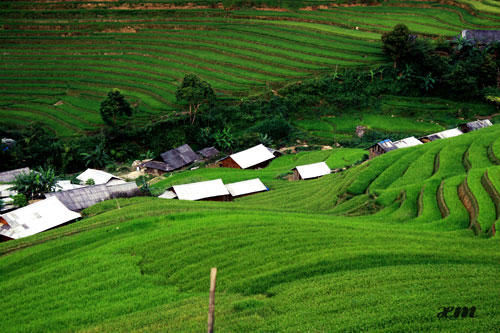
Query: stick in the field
x=213, y=276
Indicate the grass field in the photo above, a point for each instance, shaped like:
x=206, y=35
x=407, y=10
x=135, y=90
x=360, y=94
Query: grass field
x=74, y=52
x=367, y=249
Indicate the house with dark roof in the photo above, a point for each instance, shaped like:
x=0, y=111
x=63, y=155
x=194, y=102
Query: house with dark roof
x=208, y=152
x=81, y=198
x=481, y=36
x=10, y=176
x=474, y=125
x=171, y=160
x=380, y=148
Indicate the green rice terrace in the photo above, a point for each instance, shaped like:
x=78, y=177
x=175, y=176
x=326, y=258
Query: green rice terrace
x=381, y=246
x=58, y=59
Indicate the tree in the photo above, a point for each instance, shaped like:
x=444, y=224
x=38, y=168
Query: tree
x=98, y=158
x=195, y=93
x=396, y=43
x=34, y=184
x=115, y=108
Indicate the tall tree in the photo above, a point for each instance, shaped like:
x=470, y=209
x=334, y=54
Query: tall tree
x=115, y=108
x=396, y=43
x=195, y=93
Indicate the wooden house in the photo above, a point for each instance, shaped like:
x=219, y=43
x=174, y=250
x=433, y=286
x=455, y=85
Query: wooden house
x=310, y=171
x=171, y=160
x=212, y=190
x=474, y=125
x=40, y=216
x=252, y=158
x=441, y=135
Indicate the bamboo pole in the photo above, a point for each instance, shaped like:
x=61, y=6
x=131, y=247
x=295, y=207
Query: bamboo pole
x=211, y=308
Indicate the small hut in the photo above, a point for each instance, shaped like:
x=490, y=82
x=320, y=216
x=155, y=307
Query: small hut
x=100, y=177
x=212, y=190
x=252, y=158
x=246, y=187
x=474, y=125
x=40, y=216
x=171, y=160
x=407, y=142
x=310, y=171
x=380, y=148
x=441, y=135
x=209, y=152
x=10, y=176
x=481, y=36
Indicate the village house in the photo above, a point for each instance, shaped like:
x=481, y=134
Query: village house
x=310, y=171
x=35, y=218
x=10, y=176
x=252, y=158
x=81, y=198
x=387, y=145
x=481, y=36
x=441, y=135
x=212, y=190
x=209, y=152
x=171, y=160
x=246, y=187
x=99, y=177
x=474, y=125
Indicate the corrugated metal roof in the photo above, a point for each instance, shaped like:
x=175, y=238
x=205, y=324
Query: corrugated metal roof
x=252, y=156
x=209, y=152
x=485, y=36
x=179, y=157
x=246, y=187
x=407, y=142
x=201, y=190
x=445, y=134
x=10, y=176
x=35, y=218
x=478, y=124
x=85, y=197
x=313, y=170
x=387, y=145
x=65, y=185
x=157, y=165
x=100, y=177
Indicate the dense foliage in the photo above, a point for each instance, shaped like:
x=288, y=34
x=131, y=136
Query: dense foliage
x=115, y=109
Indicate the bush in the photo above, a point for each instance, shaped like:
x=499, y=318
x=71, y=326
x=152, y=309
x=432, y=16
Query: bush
x=34, y=184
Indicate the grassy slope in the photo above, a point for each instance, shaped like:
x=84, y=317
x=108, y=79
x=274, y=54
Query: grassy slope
x=75, y=52
x=289, y=259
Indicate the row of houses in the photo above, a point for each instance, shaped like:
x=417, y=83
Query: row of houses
x=61, y=206
x=387, y=145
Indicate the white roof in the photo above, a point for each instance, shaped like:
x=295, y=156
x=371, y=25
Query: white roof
x=5, y=192
x=100, y=177
x=65, y=185
x=201, y=190
x=252, y=156
x=408, y=142
x=446, y=134
x=313, y=170
x=35, y=218
x=168, y=195
x=246, y=187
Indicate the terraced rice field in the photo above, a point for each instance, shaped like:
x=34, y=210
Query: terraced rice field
x=58, y=59
x=384, y=245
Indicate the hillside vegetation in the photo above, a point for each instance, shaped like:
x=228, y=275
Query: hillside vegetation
x=60, y=58
x=384, y=245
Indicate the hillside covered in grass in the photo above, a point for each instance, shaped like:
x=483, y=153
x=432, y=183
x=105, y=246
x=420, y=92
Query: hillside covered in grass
x=60, y=58
x=384, y=245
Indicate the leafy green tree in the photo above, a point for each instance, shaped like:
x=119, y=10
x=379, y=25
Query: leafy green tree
x=34, y=184
x=396, y=43
x=195, y=93
x=19, y=200
x=98, y=158
x=224, y=139
x=115, y=108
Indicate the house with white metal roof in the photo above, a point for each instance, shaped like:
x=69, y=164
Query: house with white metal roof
x=407, y=142
x=310, y=171
x=100, y=177
x=40, y=216
x=252, y=158
x=212, y=190
x=475, y=125
x=246, y=187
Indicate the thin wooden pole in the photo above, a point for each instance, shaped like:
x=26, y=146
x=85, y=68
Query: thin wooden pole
x=211, y=307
